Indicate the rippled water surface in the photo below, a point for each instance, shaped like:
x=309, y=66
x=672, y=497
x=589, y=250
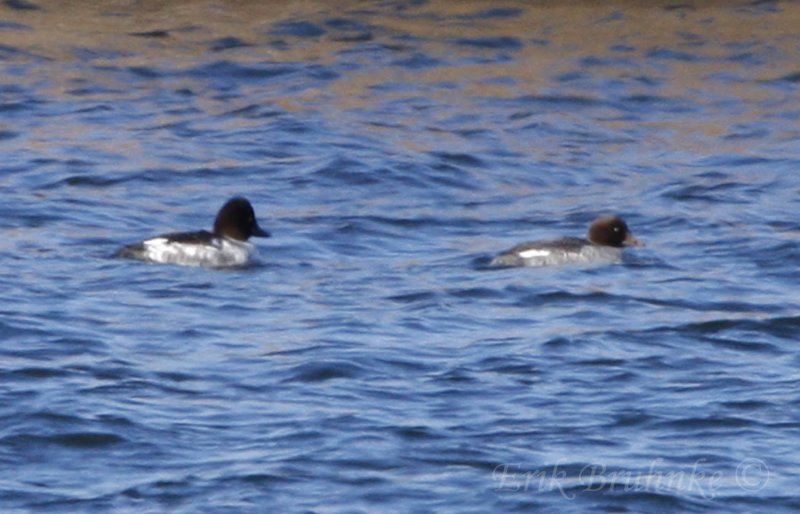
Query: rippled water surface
x=369, y=363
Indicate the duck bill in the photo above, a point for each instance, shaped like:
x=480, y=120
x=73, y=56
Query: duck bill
x=632, y=241
x=260, y=232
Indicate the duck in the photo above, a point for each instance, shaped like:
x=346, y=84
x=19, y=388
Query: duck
x=605, y=241
x=226, y=245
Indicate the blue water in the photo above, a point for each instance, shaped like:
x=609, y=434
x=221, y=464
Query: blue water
x=369, y=363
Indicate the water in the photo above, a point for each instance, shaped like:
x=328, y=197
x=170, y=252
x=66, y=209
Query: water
x=369, y=364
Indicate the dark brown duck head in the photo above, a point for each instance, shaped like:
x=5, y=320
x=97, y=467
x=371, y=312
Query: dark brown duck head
x=237, y=220
x=612, y=231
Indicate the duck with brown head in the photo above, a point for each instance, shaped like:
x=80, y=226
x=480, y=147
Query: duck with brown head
x=606, y=238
